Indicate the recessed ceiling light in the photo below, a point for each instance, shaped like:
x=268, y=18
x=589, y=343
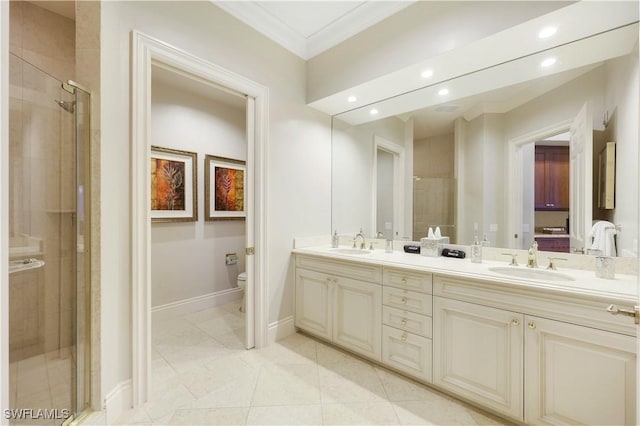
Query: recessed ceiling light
x=352, y=99
x=373, y=112
x=427, y=74
x=548, y=62
x=547, y=32
x=443, y=92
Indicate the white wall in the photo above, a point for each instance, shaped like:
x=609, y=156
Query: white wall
x=299, y=154
x=471, y=182
x=187, y=258
x=353, y=148
x=621, y=97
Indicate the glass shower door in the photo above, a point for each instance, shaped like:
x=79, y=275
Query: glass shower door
x=43, y=248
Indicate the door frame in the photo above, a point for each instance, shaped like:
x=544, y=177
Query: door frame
x=513, y=195
x=145, y=52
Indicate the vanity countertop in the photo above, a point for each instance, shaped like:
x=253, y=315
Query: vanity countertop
x=622, y=289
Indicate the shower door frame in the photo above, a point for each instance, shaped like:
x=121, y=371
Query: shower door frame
x=148, y=51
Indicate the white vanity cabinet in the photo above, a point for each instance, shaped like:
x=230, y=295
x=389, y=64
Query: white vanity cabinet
x=334, y=303
x=578, y=375
x=478, y=354
x=501, y=349
x=407, y=322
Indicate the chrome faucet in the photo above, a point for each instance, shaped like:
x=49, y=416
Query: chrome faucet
x=359, y=235
x=532, y=259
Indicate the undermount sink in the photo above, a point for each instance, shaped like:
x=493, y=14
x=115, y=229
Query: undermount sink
x=532, y=274
x=349, y=251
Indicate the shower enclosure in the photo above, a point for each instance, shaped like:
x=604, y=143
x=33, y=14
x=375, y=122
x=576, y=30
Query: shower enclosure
x=48, y=247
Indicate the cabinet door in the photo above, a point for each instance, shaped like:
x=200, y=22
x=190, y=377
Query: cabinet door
x=578, y=375
x=558, y=178
x=540, y=180
x=357, y=319
x=313, y=302
x=551, y=178
x=478, y=354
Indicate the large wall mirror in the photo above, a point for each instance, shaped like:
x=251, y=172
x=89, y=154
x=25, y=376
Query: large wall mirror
x=510, y=151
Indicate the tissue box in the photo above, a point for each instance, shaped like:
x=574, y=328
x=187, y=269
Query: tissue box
x=432, y=247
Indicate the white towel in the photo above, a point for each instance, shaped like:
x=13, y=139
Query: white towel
x=603, y=237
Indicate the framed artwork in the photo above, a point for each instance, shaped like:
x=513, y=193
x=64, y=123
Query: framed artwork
x=224, y=188
x=174, y=185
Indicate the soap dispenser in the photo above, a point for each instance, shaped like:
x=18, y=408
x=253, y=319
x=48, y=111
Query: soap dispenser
x=476, y=251
x=335, y=241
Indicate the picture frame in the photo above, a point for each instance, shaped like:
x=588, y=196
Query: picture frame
x=224, y=187
x=174, y=186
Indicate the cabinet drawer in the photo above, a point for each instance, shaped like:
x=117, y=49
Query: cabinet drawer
x=407, y=352
x=357, y=271
x=419, y=303
x=408, y=321
x=400, y=278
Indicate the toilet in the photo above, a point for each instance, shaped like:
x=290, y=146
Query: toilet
x=242, y=284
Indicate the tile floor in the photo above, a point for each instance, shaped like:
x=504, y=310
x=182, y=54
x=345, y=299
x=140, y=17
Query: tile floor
x=41, y=382
x=203, y=376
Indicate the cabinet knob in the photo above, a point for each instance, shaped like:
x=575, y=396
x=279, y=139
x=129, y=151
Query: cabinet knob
x=403, y=280
x=403, y=300
x=532, y=325
x=404, y=321
x=403, y=337
x=515, y=321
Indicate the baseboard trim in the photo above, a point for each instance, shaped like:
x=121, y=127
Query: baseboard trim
x=119, y=400
x=280, y=329
x=194, y=304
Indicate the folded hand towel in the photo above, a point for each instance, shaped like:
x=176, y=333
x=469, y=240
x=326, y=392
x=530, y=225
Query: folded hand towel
x=603, y=237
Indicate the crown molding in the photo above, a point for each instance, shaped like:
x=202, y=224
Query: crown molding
x=356, y=20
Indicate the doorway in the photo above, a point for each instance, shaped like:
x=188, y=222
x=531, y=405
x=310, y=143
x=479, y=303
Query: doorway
x=147, y=53
x=198, y=258
x=388, y=191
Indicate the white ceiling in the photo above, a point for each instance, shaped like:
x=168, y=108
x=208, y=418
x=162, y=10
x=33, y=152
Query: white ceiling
x=308, y=28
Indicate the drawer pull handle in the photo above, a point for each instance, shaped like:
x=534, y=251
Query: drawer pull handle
x=403, y=337
x=634, y=312
x=403, y=300
x=404, y=321
x=515, y=321
x=404, y=280
x=532, y=325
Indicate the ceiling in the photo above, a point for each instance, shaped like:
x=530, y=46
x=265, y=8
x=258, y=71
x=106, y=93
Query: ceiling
x=308, y=28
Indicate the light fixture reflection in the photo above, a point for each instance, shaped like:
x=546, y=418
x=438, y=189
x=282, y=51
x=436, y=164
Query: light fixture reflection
x=443, y=92
x=547, y=32
x=427, y=74
x=548, y=62
x=352, y=99
x=373, y=112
